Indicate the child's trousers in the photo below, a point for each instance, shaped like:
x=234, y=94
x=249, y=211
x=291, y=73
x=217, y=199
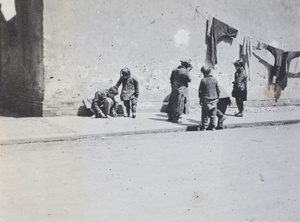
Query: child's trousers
x=130, y=105
x=209, y=115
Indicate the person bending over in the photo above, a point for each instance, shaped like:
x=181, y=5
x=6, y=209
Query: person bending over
x=130, y=91
x=104, y=103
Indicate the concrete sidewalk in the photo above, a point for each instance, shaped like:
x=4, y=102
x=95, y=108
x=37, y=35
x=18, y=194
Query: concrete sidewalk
x=16, y=130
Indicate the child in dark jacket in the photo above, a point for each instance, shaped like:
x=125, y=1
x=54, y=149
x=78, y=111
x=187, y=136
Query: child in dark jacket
x=104, y=103
x=208, y=94
x=240, y=86
x=130, y=91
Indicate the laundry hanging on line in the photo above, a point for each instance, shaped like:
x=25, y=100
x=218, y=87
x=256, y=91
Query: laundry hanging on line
x=280, y=68
x=281, y=65
x=246, y=50
x=245, y=54
x=214, y=34
x=216, y=29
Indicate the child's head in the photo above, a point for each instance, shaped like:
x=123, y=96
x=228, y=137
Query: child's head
x=206, y=70
x=238, y=64
x=186, y=62
x=125, y=72
x=112, y=91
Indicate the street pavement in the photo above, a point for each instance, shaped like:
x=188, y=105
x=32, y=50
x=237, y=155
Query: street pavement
x=18, y=130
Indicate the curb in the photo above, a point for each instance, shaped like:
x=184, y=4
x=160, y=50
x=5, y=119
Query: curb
x=183, y=128
x=251, y=124
x=87, y=136
x=258, y=124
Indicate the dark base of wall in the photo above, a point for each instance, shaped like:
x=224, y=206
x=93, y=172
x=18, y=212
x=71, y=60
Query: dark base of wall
x=21, y=106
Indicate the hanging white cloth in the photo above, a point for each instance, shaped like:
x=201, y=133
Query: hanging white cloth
x=209, y=24
x=246, y=53
x=8, y=9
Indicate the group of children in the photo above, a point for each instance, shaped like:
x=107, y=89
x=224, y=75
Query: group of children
x=212, y=97
x=214, y=100
x=104, y=104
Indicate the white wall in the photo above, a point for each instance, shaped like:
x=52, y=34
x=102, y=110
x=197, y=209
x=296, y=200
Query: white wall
x=88, y=42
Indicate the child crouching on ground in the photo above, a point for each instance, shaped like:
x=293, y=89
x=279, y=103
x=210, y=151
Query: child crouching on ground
x=104, y=103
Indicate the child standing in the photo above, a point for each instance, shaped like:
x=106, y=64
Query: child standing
x=130, y=91
x=208, y=94
x=239, y=86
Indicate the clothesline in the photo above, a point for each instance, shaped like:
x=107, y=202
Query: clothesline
x=198, y=12
x=219, y=29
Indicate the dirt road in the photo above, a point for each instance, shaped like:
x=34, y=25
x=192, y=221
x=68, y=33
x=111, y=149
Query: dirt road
x=250, y=174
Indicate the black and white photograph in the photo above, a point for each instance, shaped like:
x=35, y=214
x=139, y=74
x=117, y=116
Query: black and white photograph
x=149, y=111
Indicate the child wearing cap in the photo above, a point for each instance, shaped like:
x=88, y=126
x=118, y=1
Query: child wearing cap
x=104, y=103
x=130, y=91
x=239, y=91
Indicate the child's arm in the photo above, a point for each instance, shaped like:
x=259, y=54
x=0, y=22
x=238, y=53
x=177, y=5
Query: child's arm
x=172, y=77
x=136, y=87
x=218, y=89
x=200, y=92
x=96, y=101
x=119, y=82
x=114, y=108
x=188, y=77
x=240, y=81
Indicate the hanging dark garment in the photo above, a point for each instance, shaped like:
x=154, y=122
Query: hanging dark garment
x=280, y=68
x=277, y=53
x=287, y=57
x=218, y=31
x=281, y=65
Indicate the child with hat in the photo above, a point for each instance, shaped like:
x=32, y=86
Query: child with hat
x=130, y=91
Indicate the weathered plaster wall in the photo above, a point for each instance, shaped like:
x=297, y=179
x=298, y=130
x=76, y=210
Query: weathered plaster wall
x=61, y=52
x=87, y=43
x=22, y=60
x=91, y=41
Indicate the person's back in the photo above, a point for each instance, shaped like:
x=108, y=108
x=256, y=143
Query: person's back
x=179, y=98
x=209, y=88
x=208, y=95
x=180, y=77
